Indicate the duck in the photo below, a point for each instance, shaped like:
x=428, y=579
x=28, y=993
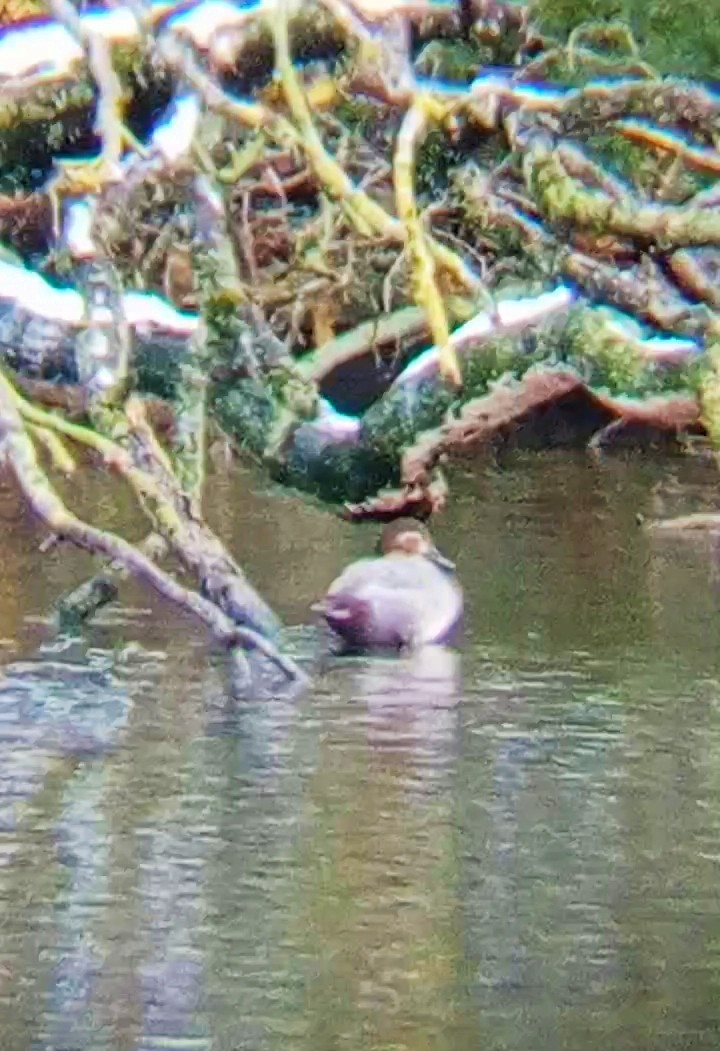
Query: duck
x=406, y=598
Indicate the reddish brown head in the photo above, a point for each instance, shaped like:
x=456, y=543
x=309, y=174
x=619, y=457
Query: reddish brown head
x=410, y=537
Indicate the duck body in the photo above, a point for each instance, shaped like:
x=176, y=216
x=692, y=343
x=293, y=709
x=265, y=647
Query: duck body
x=409, y=597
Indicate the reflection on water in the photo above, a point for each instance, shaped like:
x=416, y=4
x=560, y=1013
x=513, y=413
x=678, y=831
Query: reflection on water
x=515, y=847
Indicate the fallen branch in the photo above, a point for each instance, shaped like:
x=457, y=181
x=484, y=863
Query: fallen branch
x=509, y=406
x=17, y=448
x=700, y=523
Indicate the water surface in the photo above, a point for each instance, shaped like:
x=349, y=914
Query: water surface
x=514, y=847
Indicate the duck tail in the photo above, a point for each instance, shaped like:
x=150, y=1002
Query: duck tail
x=345, y=614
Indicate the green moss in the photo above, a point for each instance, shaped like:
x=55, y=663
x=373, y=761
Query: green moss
x=503, y=46
x=58, y=118
x=586, y=340
x=432, y=162
x=392, y=423
x=455, y=60
x=395, y=421
x=674, y=36
x=317, y=37
x=32, y=133
x=361, y=116
x=338, y=473
x=637, y=165
x=560, y=17
x=591, y=343
x=502, y=357
x=157, y=371
x=608, y=361
x=437, y=159
x=557, y=70
x=247, y=412
x=334, y=473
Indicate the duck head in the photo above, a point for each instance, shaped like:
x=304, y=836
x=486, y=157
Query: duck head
x=407, y=536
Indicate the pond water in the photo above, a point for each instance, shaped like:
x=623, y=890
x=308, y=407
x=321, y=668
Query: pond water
x=515, y=847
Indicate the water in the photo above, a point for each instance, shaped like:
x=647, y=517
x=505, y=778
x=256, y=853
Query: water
x=514, y=848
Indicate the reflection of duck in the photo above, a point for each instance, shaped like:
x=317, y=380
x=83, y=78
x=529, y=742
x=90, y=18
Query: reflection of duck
x=407, y=597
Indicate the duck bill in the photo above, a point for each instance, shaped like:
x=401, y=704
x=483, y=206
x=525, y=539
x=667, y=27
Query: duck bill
x=440, y=560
